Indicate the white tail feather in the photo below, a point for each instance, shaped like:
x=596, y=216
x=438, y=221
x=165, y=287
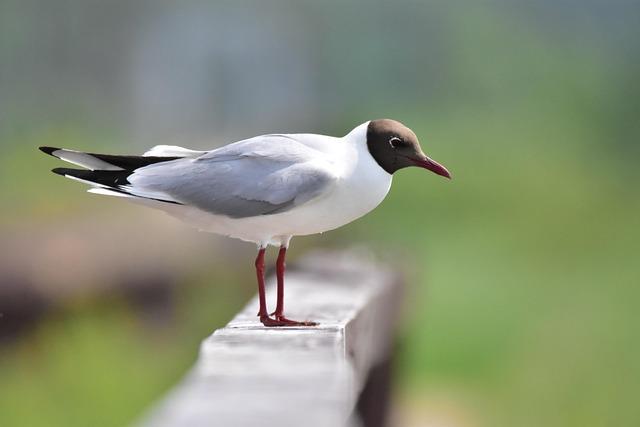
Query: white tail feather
x=172, y=151
x=107, y=192
x=85, y=160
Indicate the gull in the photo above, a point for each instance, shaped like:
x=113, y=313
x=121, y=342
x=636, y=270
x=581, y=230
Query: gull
x=264, y=189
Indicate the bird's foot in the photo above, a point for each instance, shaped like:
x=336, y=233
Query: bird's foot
x=290, y=322
x=280, y=320
x=270, y=322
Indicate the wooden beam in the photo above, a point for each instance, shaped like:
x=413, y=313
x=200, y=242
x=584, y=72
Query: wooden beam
x=249, y=375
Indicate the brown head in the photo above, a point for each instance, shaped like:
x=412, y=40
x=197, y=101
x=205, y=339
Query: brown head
x=394, y=146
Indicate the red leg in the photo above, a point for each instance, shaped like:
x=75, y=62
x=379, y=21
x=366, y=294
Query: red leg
x=279, y=313
x=280, y=269
x=264, y=315
x=260, y=276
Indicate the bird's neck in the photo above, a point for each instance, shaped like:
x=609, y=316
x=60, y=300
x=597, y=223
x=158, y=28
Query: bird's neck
x=359, y=133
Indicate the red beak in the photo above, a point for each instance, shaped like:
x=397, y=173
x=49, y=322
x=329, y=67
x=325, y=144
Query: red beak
x=433, y=166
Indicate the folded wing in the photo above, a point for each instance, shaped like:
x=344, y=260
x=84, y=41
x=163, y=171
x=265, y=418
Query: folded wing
x=260, y=176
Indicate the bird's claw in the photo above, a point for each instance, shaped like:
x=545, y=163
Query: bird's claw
x=280, y=320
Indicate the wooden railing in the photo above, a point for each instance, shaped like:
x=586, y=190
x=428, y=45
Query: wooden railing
x=335, y=374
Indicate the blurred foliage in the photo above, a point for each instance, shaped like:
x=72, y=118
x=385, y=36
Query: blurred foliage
x=523, y=275
x=99, y=362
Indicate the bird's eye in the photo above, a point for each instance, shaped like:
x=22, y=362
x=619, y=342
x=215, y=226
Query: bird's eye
x=395, y=142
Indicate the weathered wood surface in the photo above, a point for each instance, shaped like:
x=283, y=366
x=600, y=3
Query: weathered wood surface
x=249, y=375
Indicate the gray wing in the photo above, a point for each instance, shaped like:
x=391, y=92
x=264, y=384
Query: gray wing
x=260, y=176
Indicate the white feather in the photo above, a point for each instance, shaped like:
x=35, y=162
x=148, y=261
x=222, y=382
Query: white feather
x=85, y=160
x=107, y=192
x=172, y=151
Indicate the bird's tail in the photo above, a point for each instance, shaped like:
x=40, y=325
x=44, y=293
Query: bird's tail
x=106, y=173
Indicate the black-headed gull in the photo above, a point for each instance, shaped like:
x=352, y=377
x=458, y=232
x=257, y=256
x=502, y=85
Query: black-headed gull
x=265, y=189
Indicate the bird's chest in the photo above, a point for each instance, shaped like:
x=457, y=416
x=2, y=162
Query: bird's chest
x=357, y=192
x=363, y=191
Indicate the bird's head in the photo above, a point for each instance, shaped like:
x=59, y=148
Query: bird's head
x=394, y=146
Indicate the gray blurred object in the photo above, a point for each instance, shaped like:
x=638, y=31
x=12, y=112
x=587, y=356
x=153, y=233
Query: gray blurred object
x=336, y=374
x=44, y=267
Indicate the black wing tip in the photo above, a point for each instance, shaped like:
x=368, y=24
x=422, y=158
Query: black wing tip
x=63, y=171
x=103, y=178
x=48, y=150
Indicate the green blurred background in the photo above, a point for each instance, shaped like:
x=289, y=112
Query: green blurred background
x=523, y=271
